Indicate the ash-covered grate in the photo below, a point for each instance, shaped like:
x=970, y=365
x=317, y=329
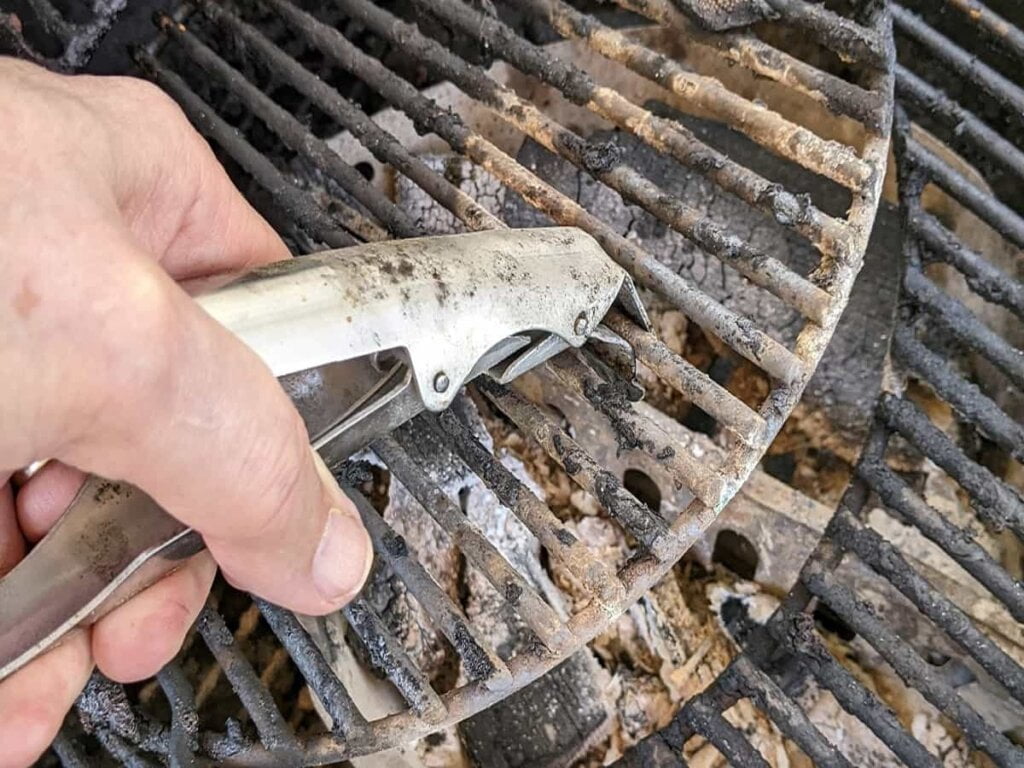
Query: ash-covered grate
x=948, y=622
x=283, y=91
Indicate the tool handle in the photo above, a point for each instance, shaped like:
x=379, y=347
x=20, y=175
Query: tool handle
x=116, y=542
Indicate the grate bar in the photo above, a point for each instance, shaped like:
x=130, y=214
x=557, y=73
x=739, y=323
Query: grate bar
x=845, y=37
x=120, y=750
x=385, y=147
x=296, y=204
x=602, y=163
x=273, y=731
x=967, y=65
x=996, y=503
x=346, y=720
x=726, y=737
x=885, y=559
x=1000, y=30
x=991, y=283
x=768, y=128
x=838, y=95
x=51, y=19
x=13, y=42
x=636, y=431
x=731, y=412
x=798, y=634
x=789, y=718
x=646, y=525
x=908, y=664
x=734, y=329
x=963, y=124
x=538, y=615
x=183, y=740
x=964, y=396
x=104, y=705
x=960, y=546
x=988, y=208
x=68, y=754
x=952, y=314
x=386, y=654
x=292, y=132
x=596, y=576
x=667, y=136
x=481, y=663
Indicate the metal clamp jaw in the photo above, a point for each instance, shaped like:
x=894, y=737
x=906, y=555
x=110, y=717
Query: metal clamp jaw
x=362, y=339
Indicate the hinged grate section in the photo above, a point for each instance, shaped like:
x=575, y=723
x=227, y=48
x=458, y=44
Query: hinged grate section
x=285, y=92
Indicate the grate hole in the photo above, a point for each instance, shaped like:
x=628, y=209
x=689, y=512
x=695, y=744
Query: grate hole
x=365, y=169
x=829, y=620
x=735, y=552
x=643, y=487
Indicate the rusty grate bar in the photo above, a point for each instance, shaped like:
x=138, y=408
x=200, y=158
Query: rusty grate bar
x=752, y=53
x=222, y=60
x=740, y=334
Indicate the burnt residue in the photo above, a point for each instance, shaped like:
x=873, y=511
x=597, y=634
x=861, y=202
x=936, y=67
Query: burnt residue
x=104, y=546
x=477, y=662
x=612, y=399
x=395, y=544
x=107, y=491
x=512, y=592
x=564, y=536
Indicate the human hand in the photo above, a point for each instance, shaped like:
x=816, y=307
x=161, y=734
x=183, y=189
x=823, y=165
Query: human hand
x=108, y=199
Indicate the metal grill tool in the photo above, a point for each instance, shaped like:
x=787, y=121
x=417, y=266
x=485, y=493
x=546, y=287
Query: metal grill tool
x=944, y=344
x=243, y=71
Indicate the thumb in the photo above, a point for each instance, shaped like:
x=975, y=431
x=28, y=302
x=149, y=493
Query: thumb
x=182, y=409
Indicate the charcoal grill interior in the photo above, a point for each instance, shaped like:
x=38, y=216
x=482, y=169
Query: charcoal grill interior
x=953, y=400
x=285, y=90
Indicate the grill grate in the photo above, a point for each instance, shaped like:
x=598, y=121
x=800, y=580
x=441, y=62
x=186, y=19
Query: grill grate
x=939, y=337
x=62, y=43
x=249, y=75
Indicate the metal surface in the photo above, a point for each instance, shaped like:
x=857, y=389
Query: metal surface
x=395, y=316
x=947, y=600
x=267, y=82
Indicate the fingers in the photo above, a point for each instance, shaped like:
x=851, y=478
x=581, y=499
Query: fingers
x=135, y=640
x=185, y=411
x=12, y=542
x=45, y=497
x=35, y=699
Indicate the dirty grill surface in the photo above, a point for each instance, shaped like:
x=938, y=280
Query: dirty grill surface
x=953, y=400
x=282, y=90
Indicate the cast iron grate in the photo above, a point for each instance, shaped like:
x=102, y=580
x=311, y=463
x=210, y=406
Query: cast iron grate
x=62, y=38
x=946, y=348
x=242, y=72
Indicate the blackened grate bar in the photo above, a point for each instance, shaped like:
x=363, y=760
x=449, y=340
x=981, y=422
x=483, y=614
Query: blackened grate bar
x=76, y=41
x=953, y=349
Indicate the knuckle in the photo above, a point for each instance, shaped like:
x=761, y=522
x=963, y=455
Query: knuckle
x=137, y=343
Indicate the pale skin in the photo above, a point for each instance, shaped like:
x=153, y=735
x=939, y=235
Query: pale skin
x=109, y=203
